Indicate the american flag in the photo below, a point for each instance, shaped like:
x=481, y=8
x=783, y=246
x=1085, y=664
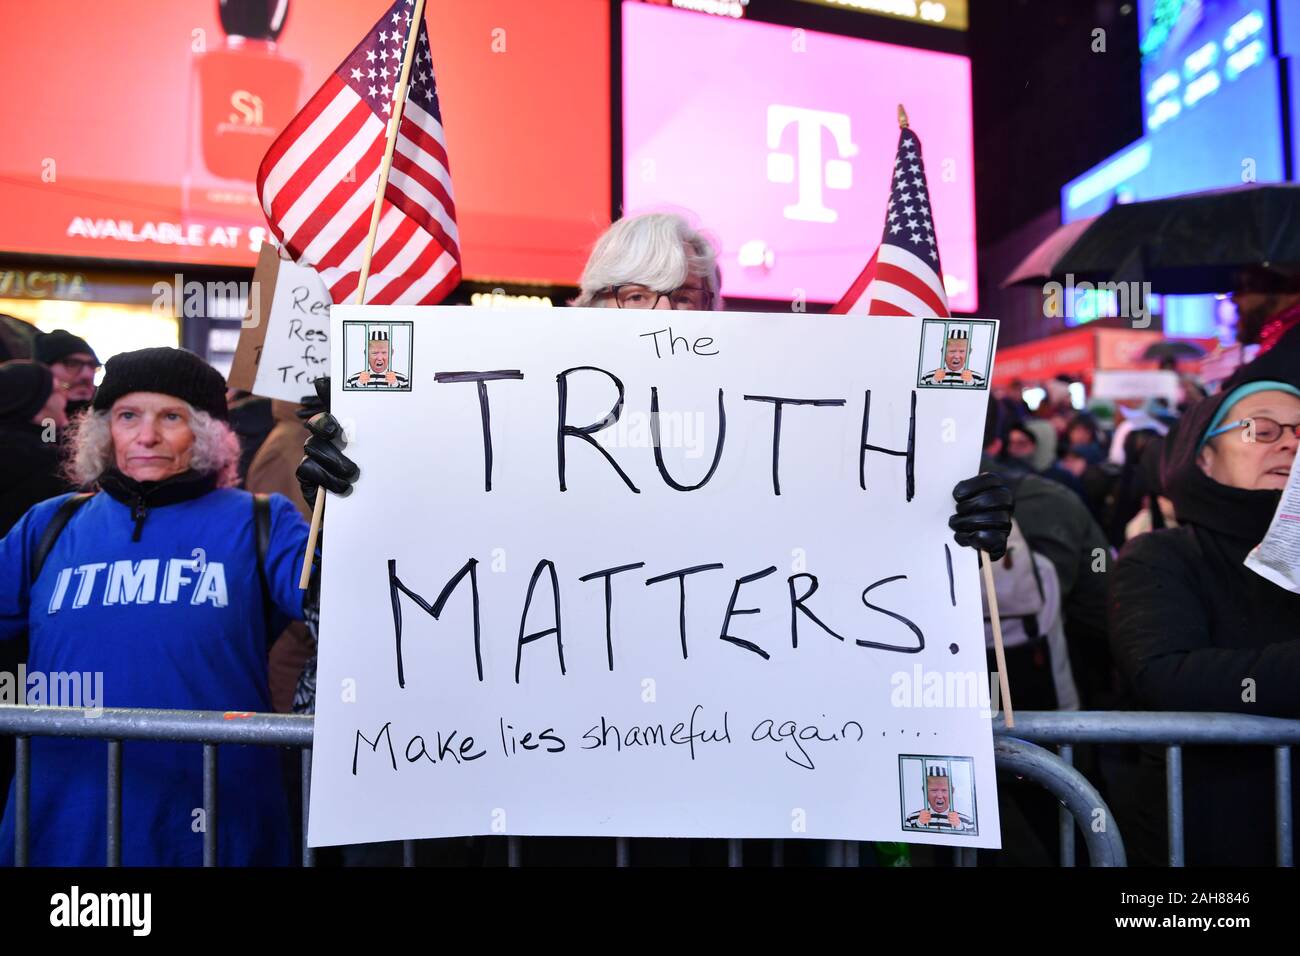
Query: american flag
x=903, y=277
x=318, y=181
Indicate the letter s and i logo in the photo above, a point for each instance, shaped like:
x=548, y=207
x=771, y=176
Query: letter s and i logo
x=249, y=107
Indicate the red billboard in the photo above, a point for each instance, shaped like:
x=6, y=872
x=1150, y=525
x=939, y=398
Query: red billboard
x=134, y=129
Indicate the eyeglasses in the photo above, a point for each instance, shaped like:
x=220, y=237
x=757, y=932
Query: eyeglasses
x=1266, y=430
x=640, y=297
x=75, y=365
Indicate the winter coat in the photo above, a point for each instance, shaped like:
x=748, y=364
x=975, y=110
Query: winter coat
x=1194, y=629
x=152, y=593
x=29, y=471
x=273, y=470
x=1057, y=525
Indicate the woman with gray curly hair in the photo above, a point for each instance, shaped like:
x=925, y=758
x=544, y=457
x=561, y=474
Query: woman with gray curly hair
x=165, y=584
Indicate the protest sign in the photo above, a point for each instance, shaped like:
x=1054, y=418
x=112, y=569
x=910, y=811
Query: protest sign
x=624, y=573
x=285, y=347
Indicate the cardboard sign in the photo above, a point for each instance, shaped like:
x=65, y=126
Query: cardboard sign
x=285, y=347
x=623, y=573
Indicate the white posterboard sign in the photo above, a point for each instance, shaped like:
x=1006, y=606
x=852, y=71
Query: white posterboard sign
x=296, y=350
x=1136, y=384
x=643, y=629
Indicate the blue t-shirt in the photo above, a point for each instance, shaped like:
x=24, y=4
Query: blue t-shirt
x=175, y=621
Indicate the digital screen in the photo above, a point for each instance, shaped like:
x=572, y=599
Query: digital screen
x=1235, y=140
x=1194, y=51
x=1213, y=107
x=780, y=143
x=1288, y=32
x=145, y=122
x=952, y=14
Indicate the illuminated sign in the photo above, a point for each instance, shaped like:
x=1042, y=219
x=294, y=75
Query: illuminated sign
x=1192, y=53
x=1211, y=92
x=951, y=14
x=719, y=8
x=157, y=163
x=793, y=184
x=35, y=284
x=500, y=299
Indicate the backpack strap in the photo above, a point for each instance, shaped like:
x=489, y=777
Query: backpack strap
x=55, y=528
x=262, y=538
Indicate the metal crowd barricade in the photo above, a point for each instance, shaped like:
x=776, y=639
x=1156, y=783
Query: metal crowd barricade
x=1173, y=731
x=1016, y=751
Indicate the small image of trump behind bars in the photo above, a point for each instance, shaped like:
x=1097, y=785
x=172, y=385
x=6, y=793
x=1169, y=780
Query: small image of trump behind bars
x=955, y=353
x=377, y=356
x=938, y=794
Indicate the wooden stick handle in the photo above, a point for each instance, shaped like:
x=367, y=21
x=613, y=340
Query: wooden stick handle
x=395, y=120
x=317, y=513
x=1004, y=685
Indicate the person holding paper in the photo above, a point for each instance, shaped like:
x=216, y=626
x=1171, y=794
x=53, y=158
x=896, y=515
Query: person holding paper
x=647, y=262
x=165, y=586
x=651, y=261
x=1194, y=629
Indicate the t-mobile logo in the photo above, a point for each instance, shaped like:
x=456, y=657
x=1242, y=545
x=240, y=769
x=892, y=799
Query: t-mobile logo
x=812, y=173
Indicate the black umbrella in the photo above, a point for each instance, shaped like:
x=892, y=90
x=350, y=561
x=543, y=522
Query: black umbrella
x=1175, y=350
x=1184, y=245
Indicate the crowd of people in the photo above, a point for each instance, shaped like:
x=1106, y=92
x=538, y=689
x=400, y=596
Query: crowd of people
x=1143, y=601
x=1120, y=578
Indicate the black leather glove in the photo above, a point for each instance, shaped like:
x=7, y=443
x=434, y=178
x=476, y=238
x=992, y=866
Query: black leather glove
x=324, y=465
x=317, y=402
x=983, y=517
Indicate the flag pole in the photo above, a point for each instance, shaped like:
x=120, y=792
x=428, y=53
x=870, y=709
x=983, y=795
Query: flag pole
x=999, y=653
x=390, y=146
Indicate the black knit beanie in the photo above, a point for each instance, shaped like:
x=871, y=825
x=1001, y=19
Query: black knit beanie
x=25, y=387
x=174, y=372
x=55, y=346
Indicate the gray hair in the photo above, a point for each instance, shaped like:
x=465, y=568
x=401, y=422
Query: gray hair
x=659, y=250
x=215, y=450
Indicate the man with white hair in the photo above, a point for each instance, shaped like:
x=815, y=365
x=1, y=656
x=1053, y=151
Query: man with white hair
x=653, y=261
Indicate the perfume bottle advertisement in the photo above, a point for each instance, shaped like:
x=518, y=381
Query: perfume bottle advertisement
x=153, y=154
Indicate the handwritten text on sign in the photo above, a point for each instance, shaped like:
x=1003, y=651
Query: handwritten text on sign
x=296, y=349
x=598, y=577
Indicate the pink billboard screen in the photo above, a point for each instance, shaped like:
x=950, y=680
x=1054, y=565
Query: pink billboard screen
x=780, y=143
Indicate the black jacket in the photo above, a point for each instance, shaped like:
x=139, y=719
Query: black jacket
x=1194, y=629
x=29, y=471
x=1057, y=525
